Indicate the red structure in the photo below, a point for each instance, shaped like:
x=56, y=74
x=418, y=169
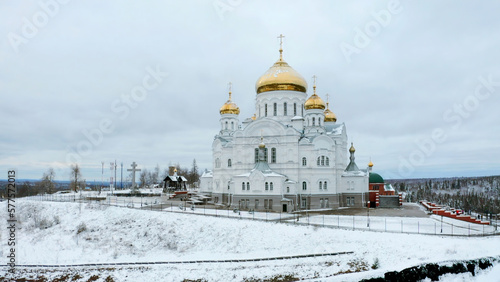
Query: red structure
x=456, y=214
x=377, y=187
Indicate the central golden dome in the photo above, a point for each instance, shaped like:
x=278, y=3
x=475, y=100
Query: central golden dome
x=281, y=76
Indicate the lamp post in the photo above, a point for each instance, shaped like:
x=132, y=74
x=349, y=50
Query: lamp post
x=368, y=214
x=441, y=224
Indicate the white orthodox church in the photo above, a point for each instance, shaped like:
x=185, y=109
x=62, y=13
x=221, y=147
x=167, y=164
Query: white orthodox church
x=291, y=155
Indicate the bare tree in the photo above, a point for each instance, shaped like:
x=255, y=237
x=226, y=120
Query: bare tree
x=47, y=183
x=143, y=177
x=155, y=176
x=75, y=175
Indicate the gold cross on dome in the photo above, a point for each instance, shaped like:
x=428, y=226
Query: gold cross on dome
x=281, y=40
x=281, y=45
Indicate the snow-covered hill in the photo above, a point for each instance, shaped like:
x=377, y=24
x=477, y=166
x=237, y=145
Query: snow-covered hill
x=73, y=233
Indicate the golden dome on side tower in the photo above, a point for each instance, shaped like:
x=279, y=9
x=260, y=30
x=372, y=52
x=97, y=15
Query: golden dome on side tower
x=229, y=107
x=314, y=102
x=329, y=115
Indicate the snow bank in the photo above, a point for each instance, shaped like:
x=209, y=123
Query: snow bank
x=73, y=233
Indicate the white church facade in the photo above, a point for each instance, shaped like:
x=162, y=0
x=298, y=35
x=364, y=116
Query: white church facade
x=291, y=155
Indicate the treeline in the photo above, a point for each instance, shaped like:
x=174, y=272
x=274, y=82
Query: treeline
x=478, y=194
x=146, y=178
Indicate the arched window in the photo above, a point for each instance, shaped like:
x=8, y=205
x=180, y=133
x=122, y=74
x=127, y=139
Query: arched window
x=322, y=160
x=327, y=162
x=217, y=163
x=232, y=125
x=243, y=186
x=324, y=186
x=229, y=164
x=304, y=161
x=294, y=109
x=225, y=127
x=285, y=110
x=314, y=122
x=275, y=109
x=304, y=186
x=320, y=185
x=265, y=110
x=248, y=185
x=318, y=161
x=256, y=154
x=271, y=186
x=273, y=155
x=265, y=154
x=267, y=186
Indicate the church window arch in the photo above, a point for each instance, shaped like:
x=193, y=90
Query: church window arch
x=285, y=109
x=273, y=155
x=229, y=163
x=294, y=109
x=248, y=185
x=265, y=110
x=275, y=109
x=256, y=154
x=243, y=186
x=217, y=163
x=313, y=121
x=320, y=185
x=225, y=127
x=327, y=161
x=304, y=161
x=265, y=154
x=318, y=161
x=325, y=187
x=271, y=186
x=232, y=125
x=322, y=160
x=304, y=186
x=267, y=186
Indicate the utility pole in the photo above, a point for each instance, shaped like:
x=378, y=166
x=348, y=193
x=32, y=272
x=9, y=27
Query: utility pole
x=102, y=176
x=121, y=177
x=115, y=174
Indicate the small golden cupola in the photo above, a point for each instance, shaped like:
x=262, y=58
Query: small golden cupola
x=352, y=150
x=229, y=107
x=329, y=115
x=314, y=102
x=281, y=76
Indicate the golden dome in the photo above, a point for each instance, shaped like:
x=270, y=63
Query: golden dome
x=281, y=76
x=229, y=107
x=370, y=164
x=352, y=150
x=329, y=115
x=254, y=117
x=314, y=102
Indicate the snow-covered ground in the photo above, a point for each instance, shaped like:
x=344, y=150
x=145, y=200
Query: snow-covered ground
x=75, y=233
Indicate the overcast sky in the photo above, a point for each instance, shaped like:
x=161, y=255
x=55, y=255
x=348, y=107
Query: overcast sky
x=417, y=83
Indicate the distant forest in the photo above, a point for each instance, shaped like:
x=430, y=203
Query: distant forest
x=478, y=194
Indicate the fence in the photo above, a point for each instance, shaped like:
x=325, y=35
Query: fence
x=428, y=226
